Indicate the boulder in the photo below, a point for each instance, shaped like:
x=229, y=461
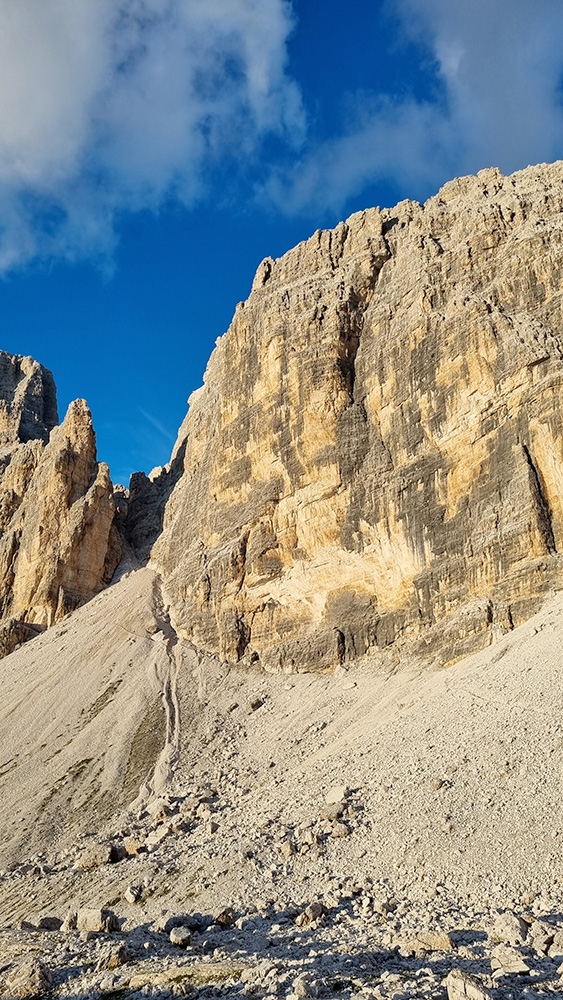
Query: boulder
x=461, y=986
x=508, y=961
x=96, y=921
x=30, y=978
x=180, y=936
x=508, y=928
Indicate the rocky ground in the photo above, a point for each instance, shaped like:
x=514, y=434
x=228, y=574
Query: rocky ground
x=353, y=939
x=392, y=830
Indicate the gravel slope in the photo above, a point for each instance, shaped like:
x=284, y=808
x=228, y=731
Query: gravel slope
x=448, y=804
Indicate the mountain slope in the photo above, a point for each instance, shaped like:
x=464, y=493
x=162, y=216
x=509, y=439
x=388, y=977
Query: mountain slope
x=454, y=775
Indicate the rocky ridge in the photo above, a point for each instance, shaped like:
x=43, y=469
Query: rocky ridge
x=58, y=542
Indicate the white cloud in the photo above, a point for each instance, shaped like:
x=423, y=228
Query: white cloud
x=501, y=62
x=401, y=140
x=108, y=105
x=499, y=65
x=112, y=105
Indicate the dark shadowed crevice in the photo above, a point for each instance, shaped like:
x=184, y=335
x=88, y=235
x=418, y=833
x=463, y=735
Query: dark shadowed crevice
x=351, y=317
x=143, y=515
x=545, y=521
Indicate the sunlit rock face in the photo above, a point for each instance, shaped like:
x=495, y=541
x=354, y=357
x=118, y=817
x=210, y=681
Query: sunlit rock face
x=58, y=543
x=376, y=457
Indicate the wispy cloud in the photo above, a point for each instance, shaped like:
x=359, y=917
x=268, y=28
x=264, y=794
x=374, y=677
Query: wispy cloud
x=498, y=68
x=109, y=105
x=403, y=141
x=157, y=425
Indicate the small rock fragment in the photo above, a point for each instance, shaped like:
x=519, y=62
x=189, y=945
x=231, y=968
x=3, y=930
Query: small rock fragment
x=133, y=846
x=95, y=856
x=107, y=983
x=381, y=905
x=157, y=836
x=556, y=948
x=426, y=940
x=114, y=957
x=305, y=986
x=461, y=986
x=314, y=911
x=133, y=893
x=226, y=917
x=508, y=960
x=96, y=921
x=288, y=848
x=541, y=936
x=508, y=929
x=339, y=829
x=333, y=811
x=69, y=922
x=336, y=794
x=181, y=937
x=30, y=979
x=159, y=810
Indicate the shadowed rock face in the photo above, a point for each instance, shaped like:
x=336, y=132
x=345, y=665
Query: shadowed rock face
x=58, y=543
x=28, y=400
x=376, y=456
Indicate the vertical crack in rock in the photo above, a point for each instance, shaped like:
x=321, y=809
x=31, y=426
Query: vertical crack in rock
x=340, y=645
x=353, y=431
x=244, y=636
x=545, y=523
x=350, y=321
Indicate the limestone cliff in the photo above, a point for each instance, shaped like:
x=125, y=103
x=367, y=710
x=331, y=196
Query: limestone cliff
x=58, y=543
x=376, y=456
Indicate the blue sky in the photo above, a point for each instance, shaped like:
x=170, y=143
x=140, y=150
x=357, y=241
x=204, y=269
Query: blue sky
x=152, y=152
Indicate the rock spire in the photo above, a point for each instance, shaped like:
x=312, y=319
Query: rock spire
x=58, y=542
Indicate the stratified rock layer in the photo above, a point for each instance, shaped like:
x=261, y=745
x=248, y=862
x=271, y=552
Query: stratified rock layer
x=376, y=456
x=58, y=543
